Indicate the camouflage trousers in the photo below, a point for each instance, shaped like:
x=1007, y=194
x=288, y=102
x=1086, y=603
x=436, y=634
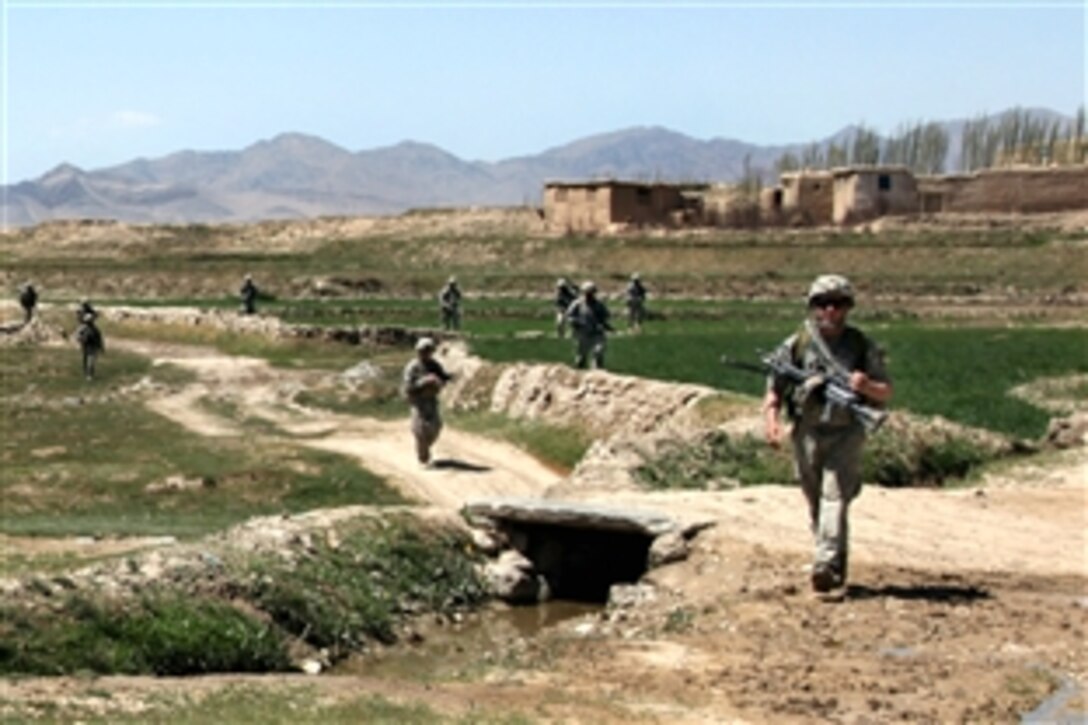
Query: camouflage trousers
x=589, y=347
x=828, y=462
x=425, y=429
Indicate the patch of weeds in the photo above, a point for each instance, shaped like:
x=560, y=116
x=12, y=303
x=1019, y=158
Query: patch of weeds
x=163, y=635
x=715, y=461
x=679, y=620
x=903, y=460
x=560, y=447
x=339, y=594
x=357, y=590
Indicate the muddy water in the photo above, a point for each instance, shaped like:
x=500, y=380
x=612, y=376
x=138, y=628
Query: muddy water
x=482, y=639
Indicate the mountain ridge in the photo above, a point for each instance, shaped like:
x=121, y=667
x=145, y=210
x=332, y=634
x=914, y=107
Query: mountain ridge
x=294, y=174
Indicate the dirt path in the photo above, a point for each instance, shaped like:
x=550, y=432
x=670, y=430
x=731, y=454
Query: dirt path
x=466, y=466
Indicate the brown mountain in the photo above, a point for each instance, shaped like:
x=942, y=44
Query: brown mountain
x=295, y=175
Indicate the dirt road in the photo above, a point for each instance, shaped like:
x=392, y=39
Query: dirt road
x=466, y=466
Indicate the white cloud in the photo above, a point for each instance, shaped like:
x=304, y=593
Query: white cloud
x=135, y=119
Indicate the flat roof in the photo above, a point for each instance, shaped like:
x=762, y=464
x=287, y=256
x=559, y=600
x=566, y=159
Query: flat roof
x=598, y=183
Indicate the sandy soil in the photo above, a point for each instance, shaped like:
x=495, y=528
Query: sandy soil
x=966, y=605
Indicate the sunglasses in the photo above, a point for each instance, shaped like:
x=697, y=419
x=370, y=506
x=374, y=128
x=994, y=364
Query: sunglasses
x=836, y=302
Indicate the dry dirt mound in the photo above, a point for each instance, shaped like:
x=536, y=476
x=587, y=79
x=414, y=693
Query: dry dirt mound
x=34, y=333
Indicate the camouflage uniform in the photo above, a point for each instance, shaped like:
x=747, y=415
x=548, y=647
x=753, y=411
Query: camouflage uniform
x=636, y=303
x=248, y=293
x=827, y=441
x=89, y=336
x=450, y=299
x=421, y=391
x=588, y=318
x=565, y=294
x=28, y=299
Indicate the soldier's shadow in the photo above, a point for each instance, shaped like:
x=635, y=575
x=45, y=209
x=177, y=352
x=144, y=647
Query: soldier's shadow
x=453, y=464
x=943, y=594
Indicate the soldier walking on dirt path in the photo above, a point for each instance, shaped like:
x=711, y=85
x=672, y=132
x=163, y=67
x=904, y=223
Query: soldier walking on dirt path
x=588, y=318
x=91, y=342
x=424, y=377
x=565, y=294
x=450, y=301
x=827, y=440
x=28, y=300
x=636, y=303
x=248, y=292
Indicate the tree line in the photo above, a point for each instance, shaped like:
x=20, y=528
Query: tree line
x=985, y=141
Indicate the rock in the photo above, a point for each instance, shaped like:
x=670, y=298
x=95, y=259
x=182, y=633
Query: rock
x=626, y=596
x=177, y=483
x=570, y=514
x=1068, y=432
x=513, y=578
x=667, y=548
x=486, y=542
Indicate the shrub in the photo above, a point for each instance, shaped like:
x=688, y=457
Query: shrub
x=161, y=634
x=716, y=458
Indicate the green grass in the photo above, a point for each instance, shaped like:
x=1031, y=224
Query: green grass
x=341, y=597
x=560, y=447
x=161, y=635
x=294, y=704
x=964, y=374
x=77, y=458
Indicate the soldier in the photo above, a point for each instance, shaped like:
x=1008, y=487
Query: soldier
x=423, y=379
x=565, y=294
x=248, y=293
x=588, y=318
x=28, y=300
x=827, y=441
x=89, y=336
x=450, y=300
x=636, y=303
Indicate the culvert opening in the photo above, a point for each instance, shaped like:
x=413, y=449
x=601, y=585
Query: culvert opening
x=581, y=564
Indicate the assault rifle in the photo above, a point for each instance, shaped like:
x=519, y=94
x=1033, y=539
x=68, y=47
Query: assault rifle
x=835, y=387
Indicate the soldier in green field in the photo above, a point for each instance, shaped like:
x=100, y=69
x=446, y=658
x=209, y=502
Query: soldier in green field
x=589, y=321
x=248, y=293
x=636, y=303
x=450, y=302
x=827, y=441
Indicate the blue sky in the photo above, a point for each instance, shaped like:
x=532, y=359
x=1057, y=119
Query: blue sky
x=101, y=83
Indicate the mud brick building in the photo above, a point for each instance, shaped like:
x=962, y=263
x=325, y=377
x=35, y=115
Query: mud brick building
x=593, y=206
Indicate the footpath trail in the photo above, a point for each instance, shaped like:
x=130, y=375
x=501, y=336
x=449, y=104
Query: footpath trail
x=467, y=466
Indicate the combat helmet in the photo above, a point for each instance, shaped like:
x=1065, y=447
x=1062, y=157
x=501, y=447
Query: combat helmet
x=831, y=285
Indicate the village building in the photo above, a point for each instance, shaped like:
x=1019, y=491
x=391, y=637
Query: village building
x=843, y=196
x=807, y=197
x=867, y=192
x=595, y=206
